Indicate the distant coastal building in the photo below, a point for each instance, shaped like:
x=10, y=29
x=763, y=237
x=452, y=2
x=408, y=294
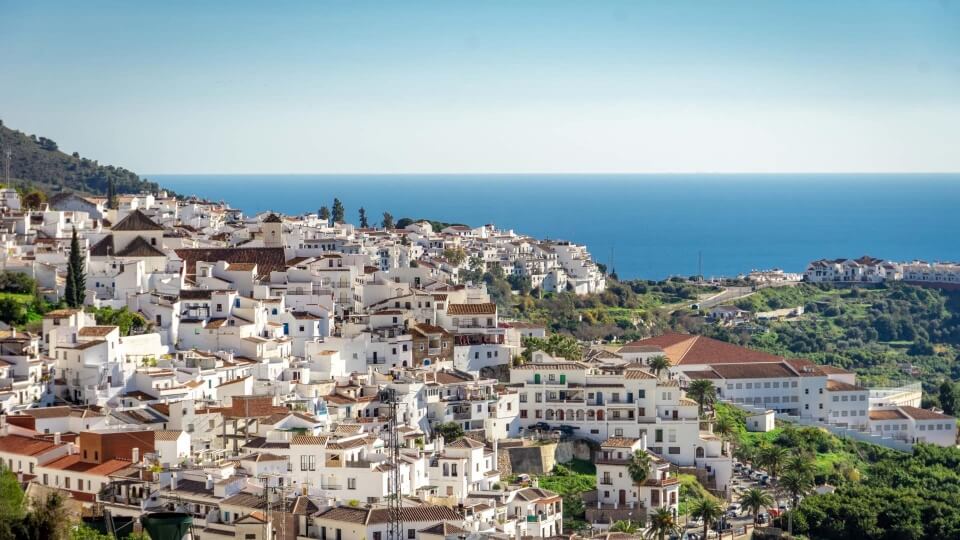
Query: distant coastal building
x=866, y=269
x=774, y=275
x=871, y=270
x=920, y=272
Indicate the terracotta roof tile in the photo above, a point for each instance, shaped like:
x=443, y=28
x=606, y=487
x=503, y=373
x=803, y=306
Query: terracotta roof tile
x=136, y=221
x=472, y=309
x=267, y=259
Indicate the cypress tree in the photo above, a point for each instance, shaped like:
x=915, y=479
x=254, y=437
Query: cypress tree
x=111, y=195
x=324, y=213
x=76, y=274
x=363, y=218
x=338, y=211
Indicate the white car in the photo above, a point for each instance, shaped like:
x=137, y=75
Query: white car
x=734, y=509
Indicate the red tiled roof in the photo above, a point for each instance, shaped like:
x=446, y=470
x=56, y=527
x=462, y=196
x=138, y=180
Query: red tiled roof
x=267, y=259
x=887, y=414
x=686, y=349
x=25, y=446
x=924, y=414
x=472, y=309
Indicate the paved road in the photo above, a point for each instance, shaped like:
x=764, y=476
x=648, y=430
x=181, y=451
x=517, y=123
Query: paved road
x=728, y=295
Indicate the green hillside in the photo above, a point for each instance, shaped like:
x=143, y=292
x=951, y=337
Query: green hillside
x=37, y=161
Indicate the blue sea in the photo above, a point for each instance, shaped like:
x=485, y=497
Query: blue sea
x=649, y=226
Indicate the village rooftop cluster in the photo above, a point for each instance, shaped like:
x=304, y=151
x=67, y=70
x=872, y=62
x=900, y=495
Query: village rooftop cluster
x=297, y=375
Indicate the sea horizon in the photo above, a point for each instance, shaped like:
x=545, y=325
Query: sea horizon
x=645, y=225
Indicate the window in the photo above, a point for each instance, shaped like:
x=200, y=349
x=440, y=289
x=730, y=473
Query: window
x=308, y=463
x=219, y=308
x=618, y=432
x=250, y=536
x=411, y=533
x=351, y=483
x=673, y=450
x=453, y=469
x=523, y=413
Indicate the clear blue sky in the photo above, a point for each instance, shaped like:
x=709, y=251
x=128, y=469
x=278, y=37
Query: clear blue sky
x=489, y=86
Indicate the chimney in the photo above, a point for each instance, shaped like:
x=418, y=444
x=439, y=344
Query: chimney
x=173, y=481
x=439, y=444
x=4, y=430
x=56, y=438
x=135, y=455
x=643, y=440
x=209, y=482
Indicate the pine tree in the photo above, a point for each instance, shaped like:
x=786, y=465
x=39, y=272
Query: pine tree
x=325, y=214
x=338, y=211
x=111, y=195
x=76, y=275
x=363, y=218
x=387, y=220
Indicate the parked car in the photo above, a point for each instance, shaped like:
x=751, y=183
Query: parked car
x=695, y=524
x=567, y=430
x=733, y=510
x=541, y=426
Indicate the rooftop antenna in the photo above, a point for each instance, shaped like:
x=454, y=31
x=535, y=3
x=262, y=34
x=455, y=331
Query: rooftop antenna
x=395, y=502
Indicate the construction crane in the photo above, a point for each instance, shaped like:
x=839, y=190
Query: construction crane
x=388, y=397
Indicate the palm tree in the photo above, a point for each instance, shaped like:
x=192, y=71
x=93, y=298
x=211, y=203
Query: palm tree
x=796, y=485
x=639, y=467
x=624, y=526
x=745, y=454
x=772, y=458
x=755, y=499
x=658, y=364
x=708, y=510
x=801, y=464
x=662, y=523
x=703, y=392
x=723, y=427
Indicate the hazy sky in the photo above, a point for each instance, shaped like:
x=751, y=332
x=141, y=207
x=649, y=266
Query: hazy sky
x=487, y=86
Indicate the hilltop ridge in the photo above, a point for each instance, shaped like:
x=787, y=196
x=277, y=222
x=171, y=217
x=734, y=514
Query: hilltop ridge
x=39, y=162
